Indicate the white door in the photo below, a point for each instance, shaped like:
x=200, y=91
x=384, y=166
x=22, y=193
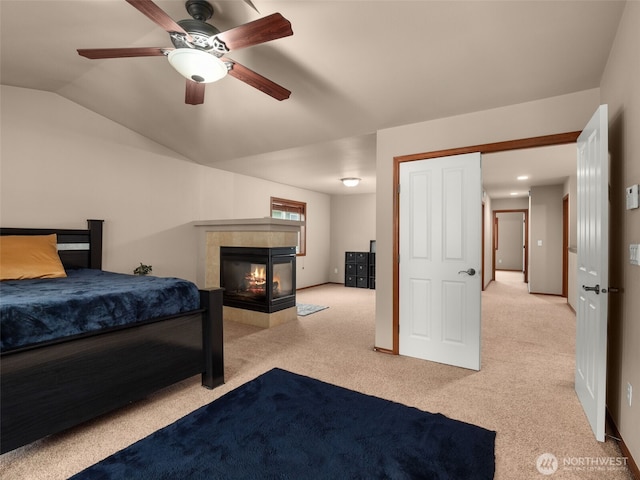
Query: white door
x=593, y=269
x=440, y=255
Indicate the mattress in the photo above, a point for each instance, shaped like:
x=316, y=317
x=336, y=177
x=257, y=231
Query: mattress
x=87, y=301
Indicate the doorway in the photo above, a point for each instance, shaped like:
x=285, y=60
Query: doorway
x=525, y=143
x=512, y=236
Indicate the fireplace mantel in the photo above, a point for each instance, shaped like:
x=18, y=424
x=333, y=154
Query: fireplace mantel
x=265, y=224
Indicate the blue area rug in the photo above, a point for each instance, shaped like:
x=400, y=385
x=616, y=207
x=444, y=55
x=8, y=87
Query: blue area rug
x=305, y=309
x=287, y=426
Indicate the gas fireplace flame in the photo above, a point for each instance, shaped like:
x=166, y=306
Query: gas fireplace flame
x=256, y=280
x=259, y=276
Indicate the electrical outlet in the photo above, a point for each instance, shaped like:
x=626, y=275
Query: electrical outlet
x=629, y=393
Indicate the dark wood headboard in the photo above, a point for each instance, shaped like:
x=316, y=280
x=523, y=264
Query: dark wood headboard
x=77, y=248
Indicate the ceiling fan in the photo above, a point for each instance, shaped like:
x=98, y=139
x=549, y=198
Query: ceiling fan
x=200, y=48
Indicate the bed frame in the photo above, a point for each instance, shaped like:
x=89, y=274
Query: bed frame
x=50, y=387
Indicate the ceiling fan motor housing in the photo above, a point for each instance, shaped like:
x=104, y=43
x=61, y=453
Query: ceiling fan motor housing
x=200, y=31
x=199, y=9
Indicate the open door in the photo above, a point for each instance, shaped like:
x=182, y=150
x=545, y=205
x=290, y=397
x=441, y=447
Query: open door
x=440, y=278
x=593, y=270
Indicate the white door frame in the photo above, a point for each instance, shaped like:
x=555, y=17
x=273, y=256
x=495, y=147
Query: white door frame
x=532, y=142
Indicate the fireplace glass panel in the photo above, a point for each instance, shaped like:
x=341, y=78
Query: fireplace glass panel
x=245, y=280
x=282, y=279
x=261, y=279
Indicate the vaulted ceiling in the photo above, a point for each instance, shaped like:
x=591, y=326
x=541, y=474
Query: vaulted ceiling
x=353, y=67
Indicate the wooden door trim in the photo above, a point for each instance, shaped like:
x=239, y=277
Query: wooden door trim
x=483, y=213
x=565, y=247
x=519, y=144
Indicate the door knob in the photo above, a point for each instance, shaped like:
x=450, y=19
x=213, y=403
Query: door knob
x=471, y=272
x=592, y=289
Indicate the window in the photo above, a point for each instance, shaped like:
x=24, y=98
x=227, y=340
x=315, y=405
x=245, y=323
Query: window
x=292, y=210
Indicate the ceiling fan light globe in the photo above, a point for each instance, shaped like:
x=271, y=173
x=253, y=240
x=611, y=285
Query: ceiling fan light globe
x=197, y=65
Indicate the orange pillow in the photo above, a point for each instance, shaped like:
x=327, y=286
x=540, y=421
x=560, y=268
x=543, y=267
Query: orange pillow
x=30, y=256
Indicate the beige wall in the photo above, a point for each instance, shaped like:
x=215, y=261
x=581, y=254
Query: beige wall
x=521, y=203
x=353, y=226
x=509, y=255
x=543, y=117
x=62, y=164
x=545, y=240
x=620, y=89
x=487, y=267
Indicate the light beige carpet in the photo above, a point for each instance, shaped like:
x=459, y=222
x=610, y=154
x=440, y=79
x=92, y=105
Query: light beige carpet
x=524, y=391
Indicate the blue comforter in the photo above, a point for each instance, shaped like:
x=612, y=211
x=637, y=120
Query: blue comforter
x=36, y=311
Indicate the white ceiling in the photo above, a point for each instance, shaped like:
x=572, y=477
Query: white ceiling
x=353, y=67
x=542, y=166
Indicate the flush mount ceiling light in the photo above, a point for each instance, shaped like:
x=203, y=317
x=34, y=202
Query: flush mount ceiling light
x=350, y=181
x=522, y=177
x=197, y=65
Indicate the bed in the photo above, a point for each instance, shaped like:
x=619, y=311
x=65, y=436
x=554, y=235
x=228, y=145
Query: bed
x=50, y=384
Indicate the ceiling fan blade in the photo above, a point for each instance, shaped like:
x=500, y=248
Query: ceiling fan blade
x=259, y=31
x=157, y=15
x=194, y=94
x=97, y=53
x=257, y=81
x=250, y=3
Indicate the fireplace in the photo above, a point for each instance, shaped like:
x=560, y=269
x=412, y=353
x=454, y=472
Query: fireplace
x=259, y=279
